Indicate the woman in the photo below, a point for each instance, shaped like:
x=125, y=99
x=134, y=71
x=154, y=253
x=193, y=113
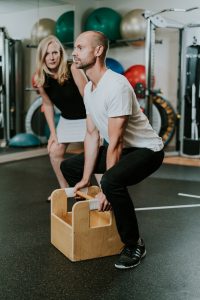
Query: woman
x=60, y=84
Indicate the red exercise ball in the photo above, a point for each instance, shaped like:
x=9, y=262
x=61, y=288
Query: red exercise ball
x=136, y=74
x=137, y=78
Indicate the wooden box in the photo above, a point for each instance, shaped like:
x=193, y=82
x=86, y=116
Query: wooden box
x=82, y=233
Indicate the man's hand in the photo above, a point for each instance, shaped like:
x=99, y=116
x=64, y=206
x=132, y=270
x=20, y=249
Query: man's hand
x=81, y=184
x=103, y=202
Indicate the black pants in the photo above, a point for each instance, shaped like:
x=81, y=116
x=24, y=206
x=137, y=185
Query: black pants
x=135, y=165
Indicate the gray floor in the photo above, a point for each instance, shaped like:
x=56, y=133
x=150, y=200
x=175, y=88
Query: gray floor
x=31, y=268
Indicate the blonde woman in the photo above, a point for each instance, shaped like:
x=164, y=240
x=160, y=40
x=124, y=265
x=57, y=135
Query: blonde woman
x=60, y=84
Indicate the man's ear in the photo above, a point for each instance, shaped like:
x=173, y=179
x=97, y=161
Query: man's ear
x=99, y=50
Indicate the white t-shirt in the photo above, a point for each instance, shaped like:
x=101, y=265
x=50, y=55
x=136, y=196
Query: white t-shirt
x=114, y=97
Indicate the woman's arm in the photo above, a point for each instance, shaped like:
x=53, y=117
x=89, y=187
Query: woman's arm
x=49, y=115
x=79, y=78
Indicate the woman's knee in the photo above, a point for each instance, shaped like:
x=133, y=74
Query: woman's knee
x=57, y=151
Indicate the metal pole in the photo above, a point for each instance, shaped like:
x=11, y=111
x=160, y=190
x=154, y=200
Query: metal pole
x=149, y=57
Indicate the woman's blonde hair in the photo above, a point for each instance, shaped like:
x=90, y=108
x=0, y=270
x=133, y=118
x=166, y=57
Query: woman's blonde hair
x=42, y=69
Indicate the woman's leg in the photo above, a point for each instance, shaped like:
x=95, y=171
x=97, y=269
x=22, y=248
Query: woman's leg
x=56, y=154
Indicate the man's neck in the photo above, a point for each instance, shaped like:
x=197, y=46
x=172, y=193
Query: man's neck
x=95, y=74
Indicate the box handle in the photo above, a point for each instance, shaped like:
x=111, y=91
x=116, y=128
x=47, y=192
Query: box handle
x=93, y=203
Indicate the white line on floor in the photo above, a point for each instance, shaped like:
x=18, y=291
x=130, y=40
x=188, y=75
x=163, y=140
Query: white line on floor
x=167, y=207
x=189, y=195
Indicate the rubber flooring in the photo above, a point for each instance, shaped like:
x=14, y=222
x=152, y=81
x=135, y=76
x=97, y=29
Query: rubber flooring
x=32, y=268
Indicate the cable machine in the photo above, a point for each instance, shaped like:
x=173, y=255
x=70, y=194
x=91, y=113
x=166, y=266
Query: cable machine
x=190, y=91
x=154, y=20
x=11, y=87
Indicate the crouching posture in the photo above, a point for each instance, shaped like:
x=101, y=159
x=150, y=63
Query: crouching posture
x=134, y=150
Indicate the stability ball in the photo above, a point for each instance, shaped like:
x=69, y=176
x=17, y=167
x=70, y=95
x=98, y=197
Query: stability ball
x=114, y=65
x=42, y=29
x=65, y=27
x=24, y=140
x=106, y=20
x=137, y=78
x=133, y=26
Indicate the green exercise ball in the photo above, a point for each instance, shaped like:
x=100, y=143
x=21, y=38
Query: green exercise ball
x=65, y=27
x=42, y=29
x=24, y=140
x=106, y=20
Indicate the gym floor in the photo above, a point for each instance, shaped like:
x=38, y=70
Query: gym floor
x=168, y=210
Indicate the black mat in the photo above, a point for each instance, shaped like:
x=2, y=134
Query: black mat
x=31, y=268
x=12, y=150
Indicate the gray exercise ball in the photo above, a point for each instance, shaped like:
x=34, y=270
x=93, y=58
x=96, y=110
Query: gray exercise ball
x=133, y=26
x=42, y=29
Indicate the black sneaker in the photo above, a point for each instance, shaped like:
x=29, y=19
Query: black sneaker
x=131, y=257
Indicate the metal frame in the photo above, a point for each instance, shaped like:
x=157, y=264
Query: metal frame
x=11, y=91
x=154, y=20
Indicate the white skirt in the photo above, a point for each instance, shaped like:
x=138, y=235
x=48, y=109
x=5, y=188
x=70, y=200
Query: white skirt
x=69, y=131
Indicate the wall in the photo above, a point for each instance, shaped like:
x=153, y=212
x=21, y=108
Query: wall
x=166, y=54
x=20, y=28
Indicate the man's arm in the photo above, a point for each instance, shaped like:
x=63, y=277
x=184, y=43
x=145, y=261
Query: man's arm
x=116, y=128
x=91, y=149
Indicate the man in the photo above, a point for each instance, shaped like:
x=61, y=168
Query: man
x=134, y=150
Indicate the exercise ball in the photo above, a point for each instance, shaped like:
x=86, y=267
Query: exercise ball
x=106, y=20
x=114, y=65
x=42, y=29
x=65, y=27
x=133, y=26
x=136, y=75
x=24, y=140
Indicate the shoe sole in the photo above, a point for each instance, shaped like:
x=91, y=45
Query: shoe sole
x=130, y=267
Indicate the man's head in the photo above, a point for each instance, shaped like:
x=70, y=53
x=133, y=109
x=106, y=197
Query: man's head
x=90, y=47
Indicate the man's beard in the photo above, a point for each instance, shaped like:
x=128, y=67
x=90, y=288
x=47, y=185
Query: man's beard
x=85, y=65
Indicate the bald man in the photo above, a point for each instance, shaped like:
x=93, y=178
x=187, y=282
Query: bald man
x=133, y=151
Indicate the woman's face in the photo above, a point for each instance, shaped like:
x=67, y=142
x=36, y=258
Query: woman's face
x=52, y=57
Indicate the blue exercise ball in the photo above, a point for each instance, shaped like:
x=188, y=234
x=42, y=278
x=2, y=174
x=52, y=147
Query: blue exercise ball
x=114, y=65
x=24, y=140
x=106, y=20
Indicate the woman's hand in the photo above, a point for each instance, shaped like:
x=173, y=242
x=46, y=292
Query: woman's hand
x=52, y=139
